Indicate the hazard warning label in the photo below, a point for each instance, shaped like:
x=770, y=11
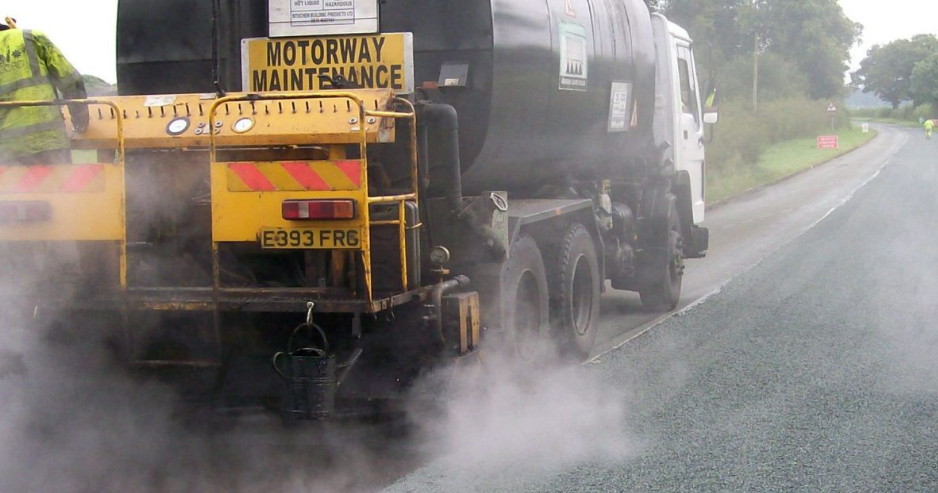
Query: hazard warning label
x=322, y=17
x=574, y=57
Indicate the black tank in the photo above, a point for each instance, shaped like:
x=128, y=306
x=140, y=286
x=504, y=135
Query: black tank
x=538, y=103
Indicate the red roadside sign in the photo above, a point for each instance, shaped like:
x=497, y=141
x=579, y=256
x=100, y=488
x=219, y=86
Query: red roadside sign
x=828, y=142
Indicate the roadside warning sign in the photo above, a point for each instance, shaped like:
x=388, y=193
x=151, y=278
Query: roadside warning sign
x=828, y=142
x=301, y=64
x=831, y=108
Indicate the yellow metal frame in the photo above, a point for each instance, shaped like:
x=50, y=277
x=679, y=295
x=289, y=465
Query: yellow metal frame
x=277, y=123
x=239, y=216
x=80, y=216
x=225, y=202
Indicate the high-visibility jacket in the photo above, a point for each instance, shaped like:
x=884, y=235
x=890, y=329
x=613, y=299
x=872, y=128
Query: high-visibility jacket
x=31, y=69
x=929, y=124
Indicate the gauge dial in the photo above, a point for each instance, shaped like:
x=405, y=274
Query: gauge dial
x=439, y=256
x=243, y=125
x=178, y=126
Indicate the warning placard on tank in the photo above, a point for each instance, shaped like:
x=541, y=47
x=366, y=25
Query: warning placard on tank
x=322, y=17
x=383, y=61
x=574, y=57
x=620, y=104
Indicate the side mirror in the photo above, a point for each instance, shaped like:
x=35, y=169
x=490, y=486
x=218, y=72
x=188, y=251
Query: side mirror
x=711, y=117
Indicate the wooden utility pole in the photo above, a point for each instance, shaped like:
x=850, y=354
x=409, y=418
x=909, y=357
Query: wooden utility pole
x=755, y=64
x=755, y=76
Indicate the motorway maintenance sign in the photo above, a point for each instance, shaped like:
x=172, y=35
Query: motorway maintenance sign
x=828, y=142
x=381, y=61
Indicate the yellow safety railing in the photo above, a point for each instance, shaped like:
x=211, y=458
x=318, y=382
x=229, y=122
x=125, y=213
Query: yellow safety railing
x=119, y=161
x=363, y=115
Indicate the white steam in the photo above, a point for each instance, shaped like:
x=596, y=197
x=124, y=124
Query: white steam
x=73, y=420
x=508, y=423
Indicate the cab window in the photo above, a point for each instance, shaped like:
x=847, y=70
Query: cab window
x=688, y=91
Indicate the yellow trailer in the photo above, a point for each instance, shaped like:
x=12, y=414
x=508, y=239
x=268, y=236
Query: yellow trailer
x=273, y=178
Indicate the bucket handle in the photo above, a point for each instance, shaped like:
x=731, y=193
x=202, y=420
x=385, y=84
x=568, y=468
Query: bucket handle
x=309, y=325
x=275, y=361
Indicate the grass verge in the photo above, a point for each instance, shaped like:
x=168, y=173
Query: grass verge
x=781, y=161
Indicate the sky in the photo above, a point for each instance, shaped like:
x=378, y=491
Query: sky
x=84, y=29
x=885, y=21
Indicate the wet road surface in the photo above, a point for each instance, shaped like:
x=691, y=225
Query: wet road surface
x=814, y=370
x=746, y=391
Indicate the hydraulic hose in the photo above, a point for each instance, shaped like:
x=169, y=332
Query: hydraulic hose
x=440, y=123
x=436, y=297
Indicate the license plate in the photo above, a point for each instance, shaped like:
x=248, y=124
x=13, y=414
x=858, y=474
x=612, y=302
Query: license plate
x=310, y=239
x=378, y=61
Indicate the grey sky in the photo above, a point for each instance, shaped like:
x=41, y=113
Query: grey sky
x=85, y=29
x=887, y=21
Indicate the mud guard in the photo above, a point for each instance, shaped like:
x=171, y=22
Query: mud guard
x=697, y=239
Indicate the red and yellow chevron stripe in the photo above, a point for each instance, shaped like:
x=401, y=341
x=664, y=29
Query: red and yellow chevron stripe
x=59, y=178
x=295, y=176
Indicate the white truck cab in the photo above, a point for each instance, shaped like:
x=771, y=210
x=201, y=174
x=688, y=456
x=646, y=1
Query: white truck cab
x=679, y=110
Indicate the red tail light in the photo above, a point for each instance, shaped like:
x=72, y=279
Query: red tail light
x=24, y=212
x=318, y=210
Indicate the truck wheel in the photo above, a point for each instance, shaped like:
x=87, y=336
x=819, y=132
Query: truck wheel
x=576, y=293
x=664, y=293
x=524, y=299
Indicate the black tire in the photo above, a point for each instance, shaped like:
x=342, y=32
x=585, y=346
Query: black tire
x=575, y=294
x=663, y=293
x=525, y=299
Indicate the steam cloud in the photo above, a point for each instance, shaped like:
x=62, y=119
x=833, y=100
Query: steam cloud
x=72, y=419
x=508, y=424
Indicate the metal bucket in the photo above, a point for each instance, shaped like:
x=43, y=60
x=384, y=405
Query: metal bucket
x=310, y=377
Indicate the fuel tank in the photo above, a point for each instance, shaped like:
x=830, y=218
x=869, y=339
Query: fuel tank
x=546, y=90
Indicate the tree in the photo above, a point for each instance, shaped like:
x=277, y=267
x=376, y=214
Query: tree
x=714, y=21
x=814, y=34
x=98, y=87
x=887, y=69
x=778, y=78
x=924, y=81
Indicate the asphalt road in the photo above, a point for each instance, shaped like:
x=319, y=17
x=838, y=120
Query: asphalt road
x=749, y=228
x=810, y=371
x=814, y=370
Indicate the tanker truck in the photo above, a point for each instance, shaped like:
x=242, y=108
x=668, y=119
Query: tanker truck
x=311, y=203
